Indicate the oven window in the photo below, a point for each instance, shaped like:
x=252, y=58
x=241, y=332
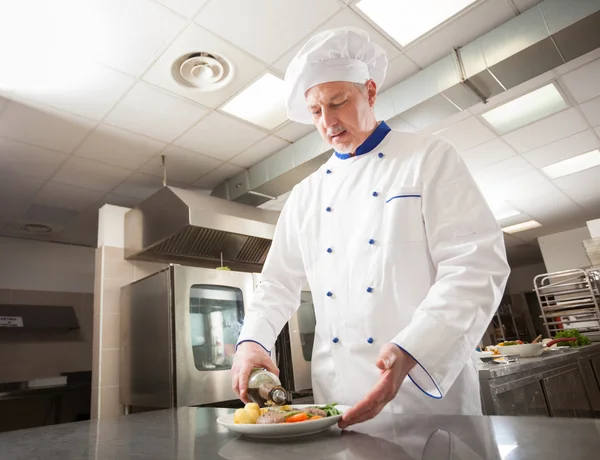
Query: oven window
x=306, y=324
x=216, y=315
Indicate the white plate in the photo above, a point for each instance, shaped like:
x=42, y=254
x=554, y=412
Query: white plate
x=283, y=430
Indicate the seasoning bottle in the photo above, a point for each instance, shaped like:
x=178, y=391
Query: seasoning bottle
x=264, y=388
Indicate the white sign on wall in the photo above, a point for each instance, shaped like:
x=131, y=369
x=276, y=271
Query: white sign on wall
x=11, y=321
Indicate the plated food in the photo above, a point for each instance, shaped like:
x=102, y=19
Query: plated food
x=252, y=414
x=278, y=422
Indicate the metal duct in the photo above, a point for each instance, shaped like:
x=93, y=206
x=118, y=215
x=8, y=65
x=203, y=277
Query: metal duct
x=542, y=38
x=176, y=225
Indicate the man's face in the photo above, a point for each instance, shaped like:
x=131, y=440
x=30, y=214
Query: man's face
x=343, y=113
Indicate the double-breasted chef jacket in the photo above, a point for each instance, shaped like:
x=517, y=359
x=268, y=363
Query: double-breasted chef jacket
x=398, y=245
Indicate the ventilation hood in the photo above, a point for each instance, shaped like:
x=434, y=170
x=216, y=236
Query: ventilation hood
x=185, y=226
x=535, y=42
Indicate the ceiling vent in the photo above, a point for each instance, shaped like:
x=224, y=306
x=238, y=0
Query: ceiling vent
x=203, y=71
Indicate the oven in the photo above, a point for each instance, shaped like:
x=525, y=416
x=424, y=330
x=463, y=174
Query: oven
x=179, y=328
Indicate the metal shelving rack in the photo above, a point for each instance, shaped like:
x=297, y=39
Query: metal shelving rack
x=570, y=299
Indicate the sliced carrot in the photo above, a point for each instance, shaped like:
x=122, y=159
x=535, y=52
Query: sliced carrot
x=301, y=417
x=316, y=417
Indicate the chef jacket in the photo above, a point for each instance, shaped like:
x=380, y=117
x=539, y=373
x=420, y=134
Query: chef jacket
x=398, y=245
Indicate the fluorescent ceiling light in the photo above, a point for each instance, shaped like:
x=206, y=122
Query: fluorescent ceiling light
x=521, y=227
x=261, y=103
x=573, y=165
x=526, y=109
x=407, y=20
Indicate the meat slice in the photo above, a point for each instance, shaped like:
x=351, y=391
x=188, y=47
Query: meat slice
x=315, y=411
x=270, y=418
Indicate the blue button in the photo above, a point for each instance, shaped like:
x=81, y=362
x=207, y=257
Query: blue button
x=329, y=250
x=328, y=171
x=370, y=340
x=335, y=340
x=330, y=294
x=328, y=209
x=371, y=241
x=380, y=155
x=375, y=194
x=369, y=290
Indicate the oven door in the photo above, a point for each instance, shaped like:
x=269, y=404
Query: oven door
x=208, y=314
x=302, y=336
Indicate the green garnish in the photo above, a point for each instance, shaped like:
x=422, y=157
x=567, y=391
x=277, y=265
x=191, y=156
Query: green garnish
x=330, y=410
x=568, y=333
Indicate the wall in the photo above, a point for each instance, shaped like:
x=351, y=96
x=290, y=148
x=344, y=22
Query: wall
x=565, y=251
x=41, y=266
x=521, y=278
x=594, y=228
x=111, y=273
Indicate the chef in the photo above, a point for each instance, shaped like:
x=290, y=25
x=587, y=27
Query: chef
x=405, y=261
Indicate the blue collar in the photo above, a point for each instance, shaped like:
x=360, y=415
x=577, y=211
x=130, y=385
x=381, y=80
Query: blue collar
x=370, y=143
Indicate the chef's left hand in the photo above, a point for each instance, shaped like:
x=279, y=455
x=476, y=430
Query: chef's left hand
x=395, y=365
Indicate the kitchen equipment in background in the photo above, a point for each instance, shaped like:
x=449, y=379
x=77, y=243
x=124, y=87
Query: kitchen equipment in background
x=570, y=299
x=179, y=329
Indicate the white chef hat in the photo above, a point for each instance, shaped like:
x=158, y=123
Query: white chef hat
x=344, y=54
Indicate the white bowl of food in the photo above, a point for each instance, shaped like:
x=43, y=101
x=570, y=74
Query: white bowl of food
x=525, y=350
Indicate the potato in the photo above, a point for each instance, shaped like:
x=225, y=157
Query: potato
x=243, y=417
x=253, y=410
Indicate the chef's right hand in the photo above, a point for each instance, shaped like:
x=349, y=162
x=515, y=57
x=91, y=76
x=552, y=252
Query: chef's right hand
x=249, y=355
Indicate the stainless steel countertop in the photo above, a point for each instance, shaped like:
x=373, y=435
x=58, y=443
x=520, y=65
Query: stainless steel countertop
x=192, y=433
x=491, y=370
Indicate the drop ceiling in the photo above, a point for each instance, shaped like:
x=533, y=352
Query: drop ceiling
x=88, y=106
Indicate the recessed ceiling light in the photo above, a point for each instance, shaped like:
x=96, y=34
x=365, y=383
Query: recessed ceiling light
x=573, y=165
x=521, y=227
x=262, y=103
x=526, y=109
x=407, y=20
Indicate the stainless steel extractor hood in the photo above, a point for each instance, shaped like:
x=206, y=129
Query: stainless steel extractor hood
x=188, y=227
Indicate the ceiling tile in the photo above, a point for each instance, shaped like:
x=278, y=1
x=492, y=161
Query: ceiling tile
x=219, y=175
x=591, y=110
x=186, y=8
x=153, y=112
x=28, y=160
x=487, y=154
x=44, y=127
x=399, y=69
x=467, y=134
x=88, y=89
x=587, y=198
x=12, y=208
x=82, y=230
x=446, y=122
x=586, y=181
x=548, y=130
x=128, y=34
x=499, y=172
x=349, y=18
x=182, y=165
x=467, y=27
x=124, y=201
x=265, y=28
x=294, y=131
x=81, y=172
x=259, y=151
x=220, y=136
x=568, y=147
x=524, y=5
x=67, y=196
x=398, y=124
x=141, y=186
x=583, y=82
x=118, y=147
x=18, y=186
x=195, y=40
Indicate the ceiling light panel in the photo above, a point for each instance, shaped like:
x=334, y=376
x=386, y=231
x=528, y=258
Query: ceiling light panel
x=526, y=109
x=407, y=20
x=522, y=227
x=261, y=103
x=573, y=165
